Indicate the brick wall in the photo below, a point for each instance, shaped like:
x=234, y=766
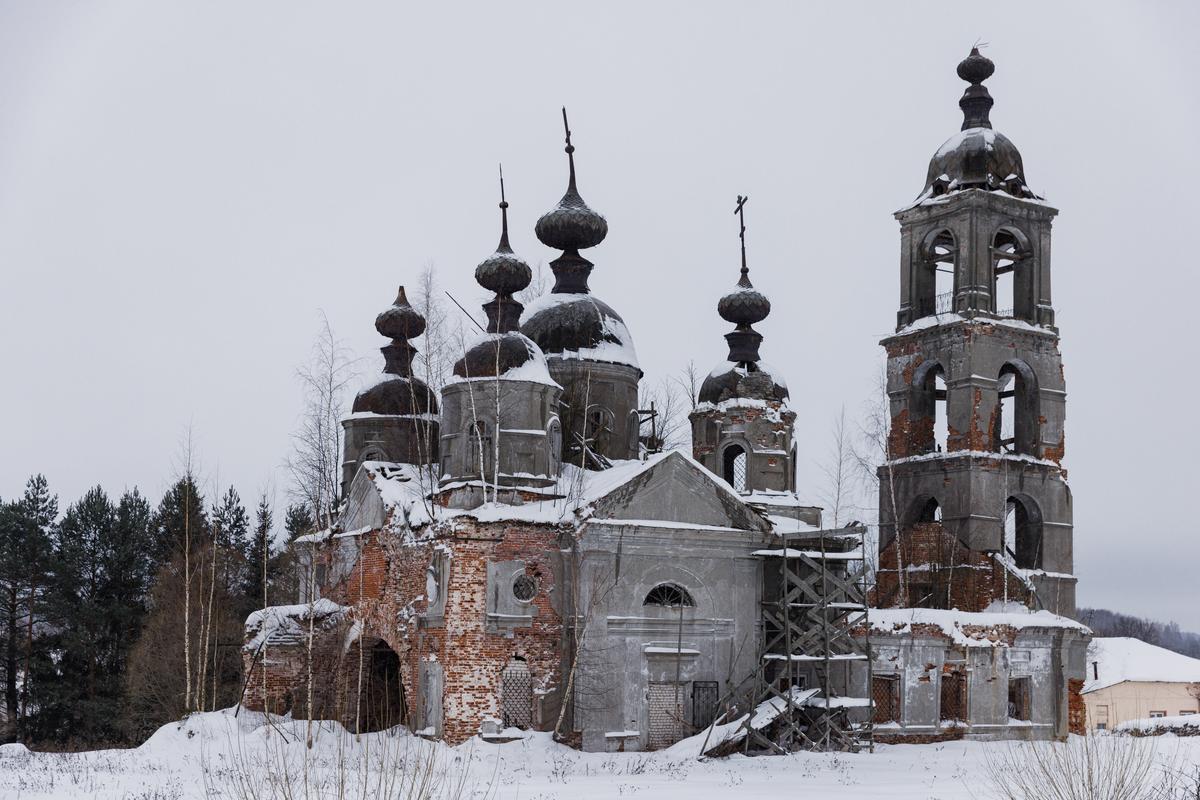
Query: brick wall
x=386, y=589
x=940, y=572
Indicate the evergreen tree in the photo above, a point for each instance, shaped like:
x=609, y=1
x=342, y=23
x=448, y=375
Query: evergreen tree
x=75, y=699
x=230, y=524
x=26, y=527
x=180, y=518
x=261, y=563
x=298, y=520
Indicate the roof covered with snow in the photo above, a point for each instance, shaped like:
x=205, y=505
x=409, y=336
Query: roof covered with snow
x=1113, y=660
x=404, y=491
x=574, y=325
x=968, y=628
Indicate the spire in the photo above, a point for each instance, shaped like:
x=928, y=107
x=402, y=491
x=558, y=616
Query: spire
x=571, y=226
x=400, y=322
x=505, y=274
x=744, y=306
x=976, y=102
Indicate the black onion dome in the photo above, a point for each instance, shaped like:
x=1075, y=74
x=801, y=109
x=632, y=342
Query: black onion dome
x=571, y=225
x=498, y=355
x=745, y=305
x=400, y=320
x=396, y=396
x=503, y=272
x=566, y=323
x=750, y=381
x=976, y=157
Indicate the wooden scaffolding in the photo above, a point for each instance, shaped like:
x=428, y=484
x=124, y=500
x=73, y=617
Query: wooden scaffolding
x=814, y=597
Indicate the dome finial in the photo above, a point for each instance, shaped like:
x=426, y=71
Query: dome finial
x=976, y=102
x=745, y=305
x=570, y=149
x=740, y=210
x=505, y=274
x=504, y=246
x=571, y=226
x=399, y=322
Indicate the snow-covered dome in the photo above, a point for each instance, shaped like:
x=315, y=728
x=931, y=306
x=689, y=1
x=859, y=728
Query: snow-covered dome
x=508, y=356
x=976, y=157
x=398, y=391
x=750, y=381
x=578, y=326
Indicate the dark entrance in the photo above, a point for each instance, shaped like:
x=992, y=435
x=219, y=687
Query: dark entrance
x=383, y=702
x=704, y=703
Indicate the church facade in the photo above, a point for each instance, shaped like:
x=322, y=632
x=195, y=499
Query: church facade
x=512, y=554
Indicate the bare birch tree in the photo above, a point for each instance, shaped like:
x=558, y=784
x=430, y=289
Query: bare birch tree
x=315, y=462
x=838, y=467
x=873, y=460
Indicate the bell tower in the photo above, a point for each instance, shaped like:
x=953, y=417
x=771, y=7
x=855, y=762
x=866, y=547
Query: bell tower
x=974, y=374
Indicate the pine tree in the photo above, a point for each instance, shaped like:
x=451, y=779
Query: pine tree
x=297, y=521
x=261, y=563
x=26, y=527
x=74, y=698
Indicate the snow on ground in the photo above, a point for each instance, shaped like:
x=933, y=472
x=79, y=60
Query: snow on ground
x=216, y=755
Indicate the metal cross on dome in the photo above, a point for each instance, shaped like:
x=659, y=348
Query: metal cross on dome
x=740, y=210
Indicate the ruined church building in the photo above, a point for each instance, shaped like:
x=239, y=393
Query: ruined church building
x=514, y=553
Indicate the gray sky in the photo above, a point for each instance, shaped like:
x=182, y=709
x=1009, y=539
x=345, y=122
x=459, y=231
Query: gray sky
x=184, y=186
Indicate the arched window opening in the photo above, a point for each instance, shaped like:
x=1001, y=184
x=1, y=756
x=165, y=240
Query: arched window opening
x=941, y=422
x=1011, y=283
x=930, y=423
x=554, y=445
x=1023, y=533
x=929, y=511
x=1005, y=436
x=669, y=595
x=936, y=285
x=383, y=701
x=599, y=429
x=1004, y=260
x=734, y=468
x=1015, y=429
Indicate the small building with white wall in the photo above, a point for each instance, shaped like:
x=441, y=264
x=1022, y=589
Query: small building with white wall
x=1128, y=679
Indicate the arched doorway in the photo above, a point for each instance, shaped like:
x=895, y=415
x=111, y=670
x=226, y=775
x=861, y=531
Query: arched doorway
x=382, y=701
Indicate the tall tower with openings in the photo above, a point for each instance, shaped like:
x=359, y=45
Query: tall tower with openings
x=975, y=379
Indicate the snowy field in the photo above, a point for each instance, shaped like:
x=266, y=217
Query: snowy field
x=216, y=755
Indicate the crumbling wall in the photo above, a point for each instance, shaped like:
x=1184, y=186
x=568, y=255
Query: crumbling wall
x=941, y=572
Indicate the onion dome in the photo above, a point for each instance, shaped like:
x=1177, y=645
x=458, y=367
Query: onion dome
x=977, y=157
x=569, y=322
x=398, y=392
x=503, y=351
x=743, y=375
x=571, y=226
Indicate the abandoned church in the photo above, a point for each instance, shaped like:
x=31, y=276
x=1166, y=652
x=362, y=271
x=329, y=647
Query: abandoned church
x=514, y=552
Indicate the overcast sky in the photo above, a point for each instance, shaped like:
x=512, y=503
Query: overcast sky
x=184, y=187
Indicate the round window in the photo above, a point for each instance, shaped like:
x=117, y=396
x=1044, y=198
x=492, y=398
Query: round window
x=524, y=588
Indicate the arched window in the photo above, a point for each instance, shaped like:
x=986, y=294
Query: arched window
x=927, y=510
x=669, y=595
x=599, y=429
x=1012, y=282
x=1023, y=532
x=935, y=281
x=554, y=445
x=734, y=467
x=930, y=420
x=1015, y=429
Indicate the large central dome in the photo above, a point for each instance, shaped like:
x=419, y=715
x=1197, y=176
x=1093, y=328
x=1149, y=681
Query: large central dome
x=570, y=325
